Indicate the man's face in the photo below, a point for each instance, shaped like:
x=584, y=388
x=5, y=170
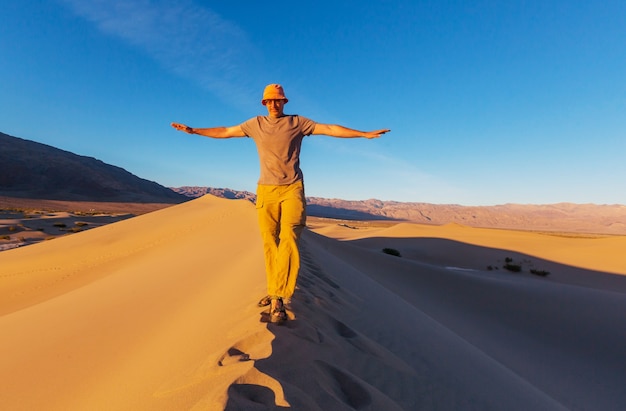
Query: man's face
x=275, y=107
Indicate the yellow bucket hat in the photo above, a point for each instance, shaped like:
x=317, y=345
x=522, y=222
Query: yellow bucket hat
x=273, y=92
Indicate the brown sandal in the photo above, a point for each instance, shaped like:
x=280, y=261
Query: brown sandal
x=278, y=315
x=265, y=301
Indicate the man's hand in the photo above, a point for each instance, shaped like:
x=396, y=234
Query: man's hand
x=182, y=127
x=375, y=133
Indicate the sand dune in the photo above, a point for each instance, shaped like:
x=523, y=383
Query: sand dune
x=158, y=313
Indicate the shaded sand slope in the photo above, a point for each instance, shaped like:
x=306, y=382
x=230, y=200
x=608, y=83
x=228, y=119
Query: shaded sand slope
x=158, y=313
x=566, y=339
x=356, y=345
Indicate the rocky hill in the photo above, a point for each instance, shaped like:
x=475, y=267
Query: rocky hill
x=194, y=192
x=610, y=219
x=35, y=170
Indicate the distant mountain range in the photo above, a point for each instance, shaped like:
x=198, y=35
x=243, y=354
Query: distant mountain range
x=34, y=170
x=563, y=217
x=31, y=170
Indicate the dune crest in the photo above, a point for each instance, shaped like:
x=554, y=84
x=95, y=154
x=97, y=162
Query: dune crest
x=158, y=312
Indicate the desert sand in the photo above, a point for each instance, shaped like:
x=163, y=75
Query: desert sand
x=158, y=312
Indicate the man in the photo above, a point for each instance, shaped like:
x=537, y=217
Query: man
x=280, y=192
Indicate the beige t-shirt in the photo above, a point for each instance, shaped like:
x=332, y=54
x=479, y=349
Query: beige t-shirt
x=278, y=142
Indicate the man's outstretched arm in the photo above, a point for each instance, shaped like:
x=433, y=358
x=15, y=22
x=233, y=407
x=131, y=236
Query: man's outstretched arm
x=214, y=132
x=335, y=130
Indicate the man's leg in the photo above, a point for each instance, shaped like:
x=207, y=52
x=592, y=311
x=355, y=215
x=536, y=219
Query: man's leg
x=268, y=211
x=292, y=222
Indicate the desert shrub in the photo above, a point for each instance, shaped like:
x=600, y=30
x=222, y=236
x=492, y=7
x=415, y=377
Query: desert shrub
x=516, y=268
x=81, y=223
x=60, y=225
x=86, y=213
x=5, y=237
x=509, y=265
x=392, y=251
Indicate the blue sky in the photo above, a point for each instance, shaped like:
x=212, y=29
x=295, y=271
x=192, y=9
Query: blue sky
x=489, y=102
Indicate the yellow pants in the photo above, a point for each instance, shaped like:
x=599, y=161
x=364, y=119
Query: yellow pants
x=282, y=216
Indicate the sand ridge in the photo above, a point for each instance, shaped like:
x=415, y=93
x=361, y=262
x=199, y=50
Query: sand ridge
x=158, y=312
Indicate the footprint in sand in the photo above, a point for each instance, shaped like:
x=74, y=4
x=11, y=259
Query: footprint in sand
x=344, y=387
x=232, y=356
x=253, y=347
x=231, y=365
